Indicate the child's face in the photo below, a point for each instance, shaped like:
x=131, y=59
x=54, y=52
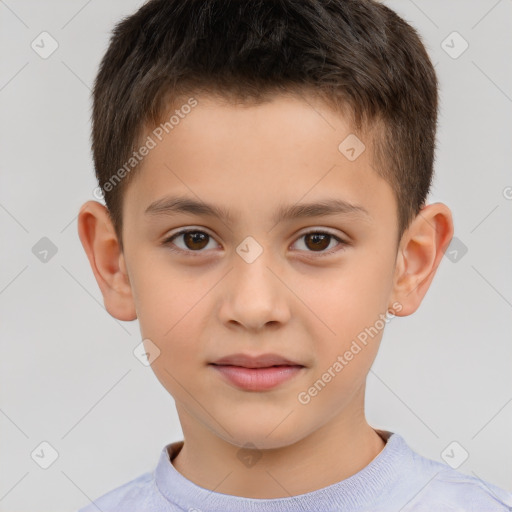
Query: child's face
x=210, y=295
x=302, y=304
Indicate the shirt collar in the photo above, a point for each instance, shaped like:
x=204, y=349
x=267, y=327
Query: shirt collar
x=360, y=490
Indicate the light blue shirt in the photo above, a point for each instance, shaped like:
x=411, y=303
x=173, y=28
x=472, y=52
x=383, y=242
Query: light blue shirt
x=397, y=480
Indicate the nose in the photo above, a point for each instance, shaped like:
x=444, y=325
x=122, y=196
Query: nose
x=254, y=296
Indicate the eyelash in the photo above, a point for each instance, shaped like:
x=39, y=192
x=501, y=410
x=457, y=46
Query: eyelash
x=169, y=242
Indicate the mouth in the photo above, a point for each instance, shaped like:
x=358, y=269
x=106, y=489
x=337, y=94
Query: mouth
x=259, y=361
x=259, y=373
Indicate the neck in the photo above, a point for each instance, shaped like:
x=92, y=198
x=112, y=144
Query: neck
x=332, y=453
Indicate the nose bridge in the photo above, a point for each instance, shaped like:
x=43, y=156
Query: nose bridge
x=251, y=273
x=254, y=272
x=255, y=295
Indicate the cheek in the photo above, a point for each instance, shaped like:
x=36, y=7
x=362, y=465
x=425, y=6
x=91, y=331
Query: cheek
x=348, y=308
x=349, y=299
x=177, y=336
x=171, y=306
x=166, y=298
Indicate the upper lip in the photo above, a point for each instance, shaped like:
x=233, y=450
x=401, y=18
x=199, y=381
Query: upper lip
x=261, y=361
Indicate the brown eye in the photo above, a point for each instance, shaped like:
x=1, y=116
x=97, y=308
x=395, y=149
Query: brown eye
x=317, y=241
x=195, y=240
x=189, y=241
x=320, y=242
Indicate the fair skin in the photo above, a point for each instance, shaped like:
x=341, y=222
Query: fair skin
x=207, y=302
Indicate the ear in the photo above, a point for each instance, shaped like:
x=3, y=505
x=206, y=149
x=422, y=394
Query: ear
x=100, y=243
x=421, y=249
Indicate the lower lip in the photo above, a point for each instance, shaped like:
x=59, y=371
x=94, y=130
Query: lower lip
x=257, y=379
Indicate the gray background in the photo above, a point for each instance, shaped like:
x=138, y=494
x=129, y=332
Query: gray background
x=68, y=375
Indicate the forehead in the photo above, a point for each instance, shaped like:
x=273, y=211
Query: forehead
x=255, y=158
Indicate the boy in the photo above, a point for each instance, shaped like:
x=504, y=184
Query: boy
x=265, y=167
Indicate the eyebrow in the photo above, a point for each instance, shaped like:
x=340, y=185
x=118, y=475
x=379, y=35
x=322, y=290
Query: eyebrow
x=172, y=205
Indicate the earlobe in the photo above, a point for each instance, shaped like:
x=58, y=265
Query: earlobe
x=100, y=243
x=421, y=250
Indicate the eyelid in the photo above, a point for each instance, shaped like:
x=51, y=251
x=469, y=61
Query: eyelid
x=314, y=229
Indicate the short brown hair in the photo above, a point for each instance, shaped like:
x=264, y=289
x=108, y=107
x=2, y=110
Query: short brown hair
x=357, y=55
